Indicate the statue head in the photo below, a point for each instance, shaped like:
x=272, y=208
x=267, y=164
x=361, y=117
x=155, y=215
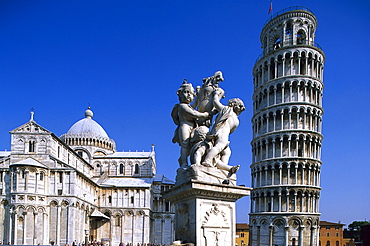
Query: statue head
x=213, y=80
x=237, y=105
x=186, y=92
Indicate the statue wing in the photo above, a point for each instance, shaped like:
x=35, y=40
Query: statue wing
x=175, y=115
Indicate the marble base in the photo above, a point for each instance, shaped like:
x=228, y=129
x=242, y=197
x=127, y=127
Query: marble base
x=203, y=173
x=205, y=212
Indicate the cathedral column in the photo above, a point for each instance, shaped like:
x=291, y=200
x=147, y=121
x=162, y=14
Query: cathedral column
x=57, y=241
x=25, y=227
x=271, y=234
x=300, y=243
x=287, y=236
x=35, y=223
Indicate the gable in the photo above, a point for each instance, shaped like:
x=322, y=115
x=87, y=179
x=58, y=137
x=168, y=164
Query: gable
x=30, y=127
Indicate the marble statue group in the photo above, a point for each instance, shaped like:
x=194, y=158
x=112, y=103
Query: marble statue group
x=203, y=140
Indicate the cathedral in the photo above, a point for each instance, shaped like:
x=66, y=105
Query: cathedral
x=77, y=188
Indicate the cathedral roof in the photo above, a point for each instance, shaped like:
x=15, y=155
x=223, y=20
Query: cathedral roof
x=87, y=127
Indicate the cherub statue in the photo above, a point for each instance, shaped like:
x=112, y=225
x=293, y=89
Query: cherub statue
x=184, y=116
x=204, y=101
x=226, y=122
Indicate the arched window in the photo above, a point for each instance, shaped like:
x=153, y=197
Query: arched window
x=41, y=176
x=121, y=168
x=136, y=169
x=31, y=146
x=277, y=44
x=301, y=37
x=289, y=28
x=109, y=199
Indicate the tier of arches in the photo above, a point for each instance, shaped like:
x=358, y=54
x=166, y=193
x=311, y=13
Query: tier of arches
x=290, y=117
x=289, y=29
x=92, y=141
x=293, y=200
x=286, y=173
x=279, y=230
x=285, y=146
x=288, y=63
x=288, y=91
x=27, y=179
x=129, y=168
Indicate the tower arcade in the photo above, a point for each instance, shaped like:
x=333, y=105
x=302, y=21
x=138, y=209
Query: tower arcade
x=287, y=122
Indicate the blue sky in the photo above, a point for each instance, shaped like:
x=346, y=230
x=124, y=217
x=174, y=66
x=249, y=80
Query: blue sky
x=126, y=59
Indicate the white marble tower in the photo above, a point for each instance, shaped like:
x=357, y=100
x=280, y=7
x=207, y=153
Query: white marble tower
x=287, y=124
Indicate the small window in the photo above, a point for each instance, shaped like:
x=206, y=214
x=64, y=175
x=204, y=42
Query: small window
x=301, y=37
x=60, y=177
x=328, y=234
x=31, y=146
x=167, y=206
x=136, y=169
x=80, y=153
x=288, y=29
x=59, y=192
x=277, y=44
x=242, y=234
x=121, y=168
x=109, y=199
x=118, y=220
x=41, y=176
x=132, y=199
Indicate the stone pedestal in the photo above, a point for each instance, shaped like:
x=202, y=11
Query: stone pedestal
x=205, y=212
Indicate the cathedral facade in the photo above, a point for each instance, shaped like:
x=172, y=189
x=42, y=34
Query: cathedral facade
x=78, y=188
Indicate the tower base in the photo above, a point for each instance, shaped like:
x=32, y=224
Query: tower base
x=205, y=212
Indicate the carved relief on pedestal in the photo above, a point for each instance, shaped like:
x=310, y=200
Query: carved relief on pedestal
x=216, y=227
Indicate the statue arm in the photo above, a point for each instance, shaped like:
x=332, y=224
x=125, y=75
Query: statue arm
x=216, y=100
x=185, y=109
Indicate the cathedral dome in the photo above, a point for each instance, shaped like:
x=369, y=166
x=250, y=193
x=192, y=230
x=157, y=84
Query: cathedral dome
x=88, y=132
x=87, y=127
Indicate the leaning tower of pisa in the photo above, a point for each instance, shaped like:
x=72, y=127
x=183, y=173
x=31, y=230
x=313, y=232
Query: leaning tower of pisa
x=287, y=123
